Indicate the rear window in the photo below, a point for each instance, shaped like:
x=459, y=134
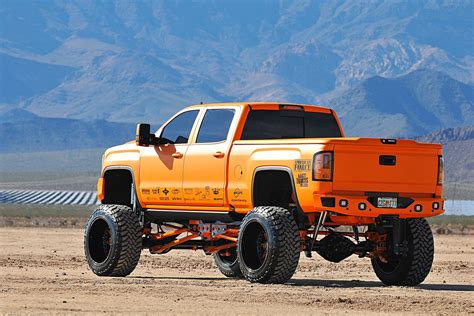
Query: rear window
x=268, y=124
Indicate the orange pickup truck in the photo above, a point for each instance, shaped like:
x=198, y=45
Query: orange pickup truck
x=256, y=184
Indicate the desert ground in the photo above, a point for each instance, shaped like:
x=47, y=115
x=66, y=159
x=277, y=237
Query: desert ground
x=43, y=270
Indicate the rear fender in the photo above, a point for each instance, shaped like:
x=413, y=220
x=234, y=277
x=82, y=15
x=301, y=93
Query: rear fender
x=297, y=211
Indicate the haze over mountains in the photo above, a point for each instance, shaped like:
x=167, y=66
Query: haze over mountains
x=393, y=68
x=23, y=132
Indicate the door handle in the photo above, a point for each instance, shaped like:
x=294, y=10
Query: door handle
x=177, y=155
x=218, y=154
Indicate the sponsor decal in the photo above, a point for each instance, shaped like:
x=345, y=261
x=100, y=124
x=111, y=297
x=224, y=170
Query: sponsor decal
x=155, y=191
x=302, y=180
x=145, y=191
x=238, y=196
x=175, y=191
x=237, y=192
x=302, y=165
x=188, y=191
x=216, y=191
x=202, y=194
x=165, y=191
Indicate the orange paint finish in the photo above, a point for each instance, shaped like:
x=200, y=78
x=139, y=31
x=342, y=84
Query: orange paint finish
x=100, y=189
x=219, y=176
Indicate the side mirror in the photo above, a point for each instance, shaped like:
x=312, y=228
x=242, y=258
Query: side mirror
x=143, y=136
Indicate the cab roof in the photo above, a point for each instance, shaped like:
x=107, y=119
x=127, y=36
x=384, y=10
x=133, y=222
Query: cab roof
x=265, y=106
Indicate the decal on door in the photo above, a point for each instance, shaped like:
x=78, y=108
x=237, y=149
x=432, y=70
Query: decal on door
x=216, y=194
x=238, y=196
x=175, y=196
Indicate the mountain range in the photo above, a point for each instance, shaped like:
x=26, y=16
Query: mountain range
x=389, y=68
x=23, y=132
x=414, y=104
x=458, y=153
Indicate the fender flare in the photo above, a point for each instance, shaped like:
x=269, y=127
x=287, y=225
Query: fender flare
x=300, y=216
x=134, y=198
x=108, y=168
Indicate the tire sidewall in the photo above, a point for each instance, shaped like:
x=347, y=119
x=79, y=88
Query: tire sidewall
x=229, y=269
x=414, y=268
x=401, y=270
x=266, y=269
x=107, y=265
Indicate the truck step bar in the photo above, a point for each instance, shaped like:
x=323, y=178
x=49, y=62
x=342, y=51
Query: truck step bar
x=177, y=215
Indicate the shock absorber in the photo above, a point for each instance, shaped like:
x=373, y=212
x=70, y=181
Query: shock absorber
x=317, y=227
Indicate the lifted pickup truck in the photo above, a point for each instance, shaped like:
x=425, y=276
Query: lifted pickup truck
x=256, y=184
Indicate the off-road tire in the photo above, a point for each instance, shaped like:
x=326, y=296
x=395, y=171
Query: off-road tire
x=228, y=266
x=124, y=244
x=415, y=267
x=283, y=245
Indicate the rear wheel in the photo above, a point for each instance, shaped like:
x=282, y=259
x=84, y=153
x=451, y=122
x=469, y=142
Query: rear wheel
x=268, y=245
x=413, y=268
x=113, y=240
x=228, y=263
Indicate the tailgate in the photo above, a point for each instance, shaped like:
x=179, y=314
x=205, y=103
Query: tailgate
x=368, y=165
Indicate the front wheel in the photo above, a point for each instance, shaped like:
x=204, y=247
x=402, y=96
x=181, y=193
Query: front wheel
x=268, y=245
x=412, y=269
x=113, y=240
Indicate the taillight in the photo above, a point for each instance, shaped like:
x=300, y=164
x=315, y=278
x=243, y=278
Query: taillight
x=440, y=170
x=323, y=163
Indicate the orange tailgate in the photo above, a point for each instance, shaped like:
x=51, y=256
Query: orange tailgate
x=368, y=165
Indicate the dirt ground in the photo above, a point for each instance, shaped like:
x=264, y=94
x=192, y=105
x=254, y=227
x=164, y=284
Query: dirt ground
x=43, y=270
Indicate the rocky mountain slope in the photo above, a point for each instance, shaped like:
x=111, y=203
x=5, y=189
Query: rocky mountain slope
x=413, y=104
x=458, y=153
x=22, y=132
x=448, y=135
x=131, y=61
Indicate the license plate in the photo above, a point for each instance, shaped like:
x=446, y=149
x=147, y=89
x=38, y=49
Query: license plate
x=387, y=202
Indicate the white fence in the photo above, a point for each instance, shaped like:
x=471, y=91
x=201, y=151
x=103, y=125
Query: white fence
x=48, y=197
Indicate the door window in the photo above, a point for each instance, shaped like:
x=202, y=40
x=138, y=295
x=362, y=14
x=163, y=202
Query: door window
x=215, y=126
x=177, y=131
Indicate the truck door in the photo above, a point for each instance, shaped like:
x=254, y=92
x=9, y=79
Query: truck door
x=161, y=167
x=206, y=159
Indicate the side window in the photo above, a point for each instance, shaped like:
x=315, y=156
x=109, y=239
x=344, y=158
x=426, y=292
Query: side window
x=215, y=126
x=177, y=131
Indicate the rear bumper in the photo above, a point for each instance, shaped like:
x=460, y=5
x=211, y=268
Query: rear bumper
x=420, y=207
